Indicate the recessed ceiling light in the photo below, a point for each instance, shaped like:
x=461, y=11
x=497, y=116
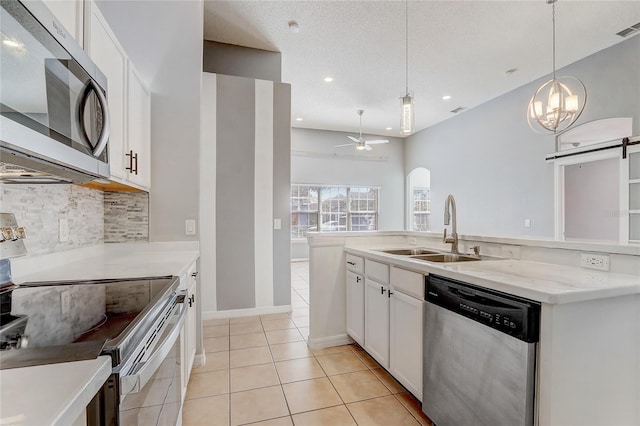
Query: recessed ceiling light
x=328, y=79
x=389, y=128
x=446, y=97
x=298, y=119
x=294, y=27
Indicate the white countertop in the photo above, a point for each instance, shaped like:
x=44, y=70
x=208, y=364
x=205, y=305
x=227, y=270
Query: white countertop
x=542, y=282
x=107, y=261
x=54, y=394
x=59, y=393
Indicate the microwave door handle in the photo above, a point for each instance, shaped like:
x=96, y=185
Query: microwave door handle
x=106, y=129
x=145, y=370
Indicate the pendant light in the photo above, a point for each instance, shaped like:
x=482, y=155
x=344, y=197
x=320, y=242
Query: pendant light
x=558, y=103
x=407, y=113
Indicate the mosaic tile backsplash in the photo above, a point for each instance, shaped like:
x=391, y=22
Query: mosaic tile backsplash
x=93, y=216
x=39, y=207
x=126, y=216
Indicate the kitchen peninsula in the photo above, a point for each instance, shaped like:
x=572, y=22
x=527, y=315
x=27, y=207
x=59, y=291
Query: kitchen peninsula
x=588, y=368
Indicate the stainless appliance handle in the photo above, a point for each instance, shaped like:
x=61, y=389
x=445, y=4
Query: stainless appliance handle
x=143, y=371
x=105, y=132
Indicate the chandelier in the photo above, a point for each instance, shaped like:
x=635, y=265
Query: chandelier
x=558, y=103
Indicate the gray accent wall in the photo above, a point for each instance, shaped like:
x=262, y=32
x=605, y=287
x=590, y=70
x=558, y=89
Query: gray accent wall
x=494, y=165
x=281, y=193
x=222, y=58
x=234, y=193
x=246, y=163
x=163, y=39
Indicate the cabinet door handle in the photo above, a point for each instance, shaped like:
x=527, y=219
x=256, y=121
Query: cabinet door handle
x=389, y=293
x=135, y=157
x=130, y=155
x=358, y=279
x=351, y=263
x=381, y=290
x=194, y=274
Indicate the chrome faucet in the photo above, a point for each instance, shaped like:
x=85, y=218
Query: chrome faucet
x=453, y=239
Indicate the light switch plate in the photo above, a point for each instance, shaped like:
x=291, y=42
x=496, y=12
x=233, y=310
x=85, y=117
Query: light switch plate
x=189, y=227
x=277, y=223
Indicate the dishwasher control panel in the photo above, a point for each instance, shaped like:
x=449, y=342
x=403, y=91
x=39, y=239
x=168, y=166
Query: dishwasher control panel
x=509, y=314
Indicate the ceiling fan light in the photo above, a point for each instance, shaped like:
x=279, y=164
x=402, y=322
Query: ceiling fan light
x=407, y=117
x=360, y=147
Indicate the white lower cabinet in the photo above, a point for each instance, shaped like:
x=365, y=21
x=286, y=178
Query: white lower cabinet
x=405, y=345
x=355, y=307
x=189, y=342
x=376, y=327
x=386, y=313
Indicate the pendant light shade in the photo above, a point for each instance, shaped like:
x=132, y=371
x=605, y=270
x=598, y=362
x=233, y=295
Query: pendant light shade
x=558, y=103
x=407, y=114
x=406, y=120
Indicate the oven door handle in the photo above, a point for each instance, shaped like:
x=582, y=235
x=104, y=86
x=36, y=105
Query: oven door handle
x=143, y=371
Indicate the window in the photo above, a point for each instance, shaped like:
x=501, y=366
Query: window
x=418, y=208
x=333, y=208
x=421, y=209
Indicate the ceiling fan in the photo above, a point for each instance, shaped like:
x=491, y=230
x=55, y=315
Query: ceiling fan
x=360, y=143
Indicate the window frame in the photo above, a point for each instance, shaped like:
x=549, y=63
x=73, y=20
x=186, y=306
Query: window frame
x=349, y=212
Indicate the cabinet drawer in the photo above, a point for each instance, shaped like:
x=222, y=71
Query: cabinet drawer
x=411, y=283
x=377, y=271
x=355, y=263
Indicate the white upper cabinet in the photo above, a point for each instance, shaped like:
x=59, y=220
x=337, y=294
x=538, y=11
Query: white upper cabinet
x=129, y=103
x=138, y=154
x=70, y=13
x=105, y=50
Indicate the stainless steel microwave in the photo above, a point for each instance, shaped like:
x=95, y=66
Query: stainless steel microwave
x=54, y=120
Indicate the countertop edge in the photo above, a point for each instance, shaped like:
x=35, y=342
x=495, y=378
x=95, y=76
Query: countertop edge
x=528, y=293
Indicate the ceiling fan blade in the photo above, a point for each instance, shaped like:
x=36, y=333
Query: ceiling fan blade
x=374, y=142
x=346, y=144
x=353, y=139
x=367, y=147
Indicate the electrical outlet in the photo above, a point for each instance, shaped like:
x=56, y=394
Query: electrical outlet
x=65, y=302
x=277, y=223
x=511, y=252
x=63, y=230
x=594, y=261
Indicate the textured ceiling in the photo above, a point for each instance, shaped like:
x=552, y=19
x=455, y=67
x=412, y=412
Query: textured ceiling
x=456, y=48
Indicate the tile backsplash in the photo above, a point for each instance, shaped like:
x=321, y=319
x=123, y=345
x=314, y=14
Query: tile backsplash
x=39, y=207
x=93, y=216
x=126, y=216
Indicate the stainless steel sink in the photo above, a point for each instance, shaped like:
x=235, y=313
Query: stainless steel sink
x=446, y=258
x=411, y=252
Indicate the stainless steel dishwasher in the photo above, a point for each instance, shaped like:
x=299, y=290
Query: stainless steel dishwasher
x=479, y=355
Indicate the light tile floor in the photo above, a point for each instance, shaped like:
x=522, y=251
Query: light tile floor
x=260, y=371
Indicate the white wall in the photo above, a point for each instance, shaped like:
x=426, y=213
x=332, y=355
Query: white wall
x=591, y=194
x=316, y=160
x=493, y=164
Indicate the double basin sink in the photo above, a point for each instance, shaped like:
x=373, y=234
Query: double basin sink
x=427, y=255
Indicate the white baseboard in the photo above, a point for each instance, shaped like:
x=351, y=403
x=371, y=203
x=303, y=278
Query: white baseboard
x=200, y=359
x=234, y=313
x=327, y=342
